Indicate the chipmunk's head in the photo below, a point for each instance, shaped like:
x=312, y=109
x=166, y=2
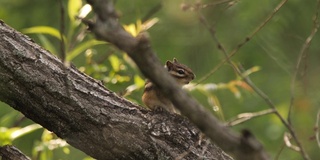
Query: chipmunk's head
x=180, y=72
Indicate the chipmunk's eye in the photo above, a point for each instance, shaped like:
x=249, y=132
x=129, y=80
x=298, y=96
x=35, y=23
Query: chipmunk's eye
x=181, y=71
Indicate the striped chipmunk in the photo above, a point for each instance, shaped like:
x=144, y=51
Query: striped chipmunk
x=152, y=97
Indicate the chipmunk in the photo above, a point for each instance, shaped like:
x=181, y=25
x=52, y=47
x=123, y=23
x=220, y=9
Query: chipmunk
x=152, y=97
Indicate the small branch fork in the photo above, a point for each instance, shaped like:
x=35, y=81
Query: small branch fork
x=239, y=71
x=243, y=117
x=106, y=27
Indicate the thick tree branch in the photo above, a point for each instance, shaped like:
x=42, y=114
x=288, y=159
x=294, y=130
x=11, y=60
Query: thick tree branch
x=12, y=153
x=107, y=27
x=89, y=117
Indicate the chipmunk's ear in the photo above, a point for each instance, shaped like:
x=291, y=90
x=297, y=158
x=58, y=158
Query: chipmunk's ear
x=169, y=65
x=175, y=60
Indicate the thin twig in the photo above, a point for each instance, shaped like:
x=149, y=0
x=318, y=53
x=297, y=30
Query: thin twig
x=218, y=3
x=249, y=37
x=286, y=139
x=316, y=128
x=272, y=106
x=247, y=79
x=220, y=47
x=279, y=152
x=63, y=47
x=303, y=53
x=264, y=23
x=62, y=31
x=198, y=5
x=243, y=117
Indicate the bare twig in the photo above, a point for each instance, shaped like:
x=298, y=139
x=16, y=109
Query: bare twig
x=230, y=2
x=243, y=117
x=198, y=5
x=272, y=106
x=316, y=129
x=265, y=97
x=62, y=30
x=286, y=139
x=279, y=152
x=249, y=37
x=247, y=79
x=303, y=53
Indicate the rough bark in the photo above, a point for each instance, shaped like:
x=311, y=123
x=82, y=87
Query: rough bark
x=88, y=116
x=12, y=153
x=106, y=27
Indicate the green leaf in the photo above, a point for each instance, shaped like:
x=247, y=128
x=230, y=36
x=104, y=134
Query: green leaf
x=81, y=47
x=5, y=135
x=46, y=136
x=43, y=30
x=73, y=9
x=47, y=44
x=8, y=118
x=216, y=107
x=115, y=62
x=138, y=81
x=25, y=130
x=66, y=150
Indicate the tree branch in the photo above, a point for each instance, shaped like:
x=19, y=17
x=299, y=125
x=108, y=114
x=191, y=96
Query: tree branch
x=12, y=153
x=89, y=117
x=107, y=27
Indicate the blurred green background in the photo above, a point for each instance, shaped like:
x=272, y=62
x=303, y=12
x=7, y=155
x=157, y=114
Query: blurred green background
x=274, y=50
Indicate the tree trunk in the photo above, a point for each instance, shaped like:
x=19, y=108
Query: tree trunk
x=89, y=117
